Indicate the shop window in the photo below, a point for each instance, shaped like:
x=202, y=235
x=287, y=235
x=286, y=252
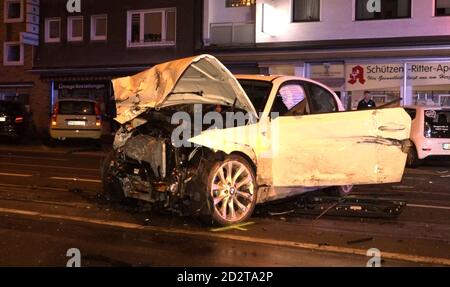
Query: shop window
x=151, y=28
x=442, y=8
x=382, y=9
x=239, y=3
x=438, y=95
x=75, y=29
x=53, y=30
x=13, y=54
x=99, y=27
x=306, y=10
x=13, y=11
x=322, y=101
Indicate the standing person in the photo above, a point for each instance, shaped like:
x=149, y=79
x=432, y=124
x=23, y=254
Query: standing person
x=366, y=103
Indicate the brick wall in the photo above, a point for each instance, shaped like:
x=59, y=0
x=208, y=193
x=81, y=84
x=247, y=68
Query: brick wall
x=39, y=98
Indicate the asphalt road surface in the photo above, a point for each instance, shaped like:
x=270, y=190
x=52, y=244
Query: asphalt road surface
x=50, y=202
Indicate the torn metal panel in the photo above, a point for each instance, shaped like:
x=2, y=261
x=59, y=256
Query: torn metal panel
x=324, y=150
x=196, y=80
x=148, y=149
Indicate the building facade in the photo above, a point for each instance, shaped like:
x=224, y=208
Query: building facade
x=397, y=49
x=84, y=44
x=19, y=33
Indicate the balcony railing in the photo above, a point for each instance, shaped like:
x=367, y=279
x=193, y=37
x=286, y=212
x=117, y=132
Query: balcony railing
x=230, y=34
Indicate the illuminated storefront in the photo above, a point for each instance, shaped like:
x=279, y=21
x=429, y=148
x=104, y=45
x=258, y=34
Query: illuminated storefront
x=395, y=83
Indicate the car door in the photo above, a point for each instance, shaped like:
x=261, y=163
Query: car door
x=324, y=148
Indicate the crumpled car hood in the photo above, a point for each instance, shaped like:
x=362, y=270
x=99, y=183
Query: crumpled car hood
x=195, y=80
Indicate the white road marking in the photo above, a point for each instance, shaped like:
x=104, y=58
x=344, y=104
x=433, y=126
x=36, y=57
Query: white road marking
x=51, y=166
x=247, y=239
x=76, y=179
x=429, y=206
x=15, y=174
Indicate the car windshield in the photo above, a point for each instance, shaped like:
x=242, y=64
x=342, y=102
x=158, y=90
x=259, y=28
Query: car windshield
x=437, y=124
x=76, y=108
x=10, y=107
x=257, y=91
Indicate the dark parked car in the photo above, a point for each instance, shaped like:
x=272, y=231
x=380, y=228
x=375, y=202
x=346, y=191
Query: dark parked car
x=14, y=120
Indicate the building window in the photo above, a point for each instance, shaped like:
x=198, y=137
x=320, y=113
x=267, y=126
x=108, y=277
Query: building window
x=13, y=54
x=75, y=29
x=239, y=3
x=151, y=28
x=53, y=30
x=99, y=27
x=13, y=11
x=382, y=9
x=442, y=8
x=306, y=10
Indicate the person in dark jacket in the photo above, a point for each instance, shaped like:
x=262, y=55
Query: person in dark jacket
x=367, y=103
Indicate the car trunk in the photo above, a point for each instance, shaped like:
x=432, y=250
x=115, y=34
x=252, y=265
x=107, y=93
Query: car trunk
x=9, y=111
x=76, y=115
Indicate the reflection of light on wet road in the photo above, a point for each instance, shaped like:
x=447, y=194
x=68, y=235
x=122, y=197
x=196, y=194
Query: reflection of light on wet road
x=15, y=174
x=76, y=179
x=225, y=236
x=429, y=206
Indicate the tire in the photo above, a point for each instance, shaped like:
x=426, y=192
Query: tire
x=112, y=188
x=412, y=161
x=231, y=196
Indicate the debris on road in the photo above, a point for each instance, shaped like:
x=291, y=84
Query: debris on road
x=362, y=240
x=281, y=213
x=402, y=187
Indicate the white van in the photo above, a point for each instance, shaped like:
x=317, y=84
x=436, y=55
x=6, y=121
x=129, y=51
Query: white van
x=430, y=133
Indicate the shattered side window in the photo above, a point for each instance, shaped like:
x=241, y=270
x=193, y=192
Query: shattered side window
x=290, y=100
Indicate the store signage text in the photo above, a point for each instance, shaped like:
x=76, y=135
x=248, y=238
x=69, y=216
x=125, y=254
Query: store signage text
x=81, y=86
x=73, y=6
x=327, y=70
x=429, y=74
x=373, y=76
x=374, y=6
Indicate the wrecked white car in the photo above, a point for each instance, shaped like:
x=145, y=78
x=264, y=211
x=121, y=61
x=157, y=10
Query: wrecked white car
x=196, y=139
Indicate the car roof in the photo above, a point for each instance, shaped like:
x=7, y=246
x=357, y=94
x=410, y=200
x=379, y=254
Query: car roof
x=11, y=103
x=267, y=78
x=77, y=100
x=272, y=78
